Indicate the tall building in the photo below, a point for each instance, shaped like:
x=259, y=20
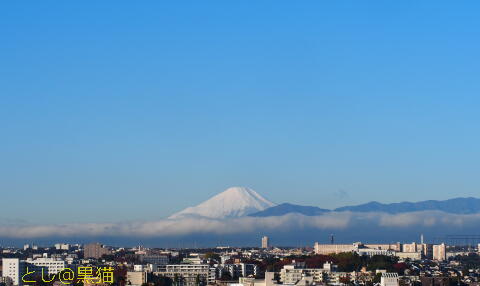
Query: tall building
x=440, y=252
x=95, y=250
x=427, y=250
x=12, y=268
x=265, y=242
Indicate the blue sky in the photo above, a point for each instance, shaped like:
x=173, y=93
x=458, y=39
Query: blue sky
x=123, y=110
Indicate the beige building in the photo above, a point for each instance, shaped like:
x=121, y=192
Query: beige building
x=411, y=247
x=136, y=278
x=392, y=246
x=265, y=242
x=334, y=248
x=95, y=250
x=440, y=252
x=409, y=255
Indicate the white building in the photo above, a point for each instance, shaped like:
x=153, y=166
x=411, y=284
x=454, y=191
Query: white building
x=62, y=246
x=12, y=268
x=334, y=248
x=138, y=268
x=15, y=268
x=372, y=252
x=52, y=265
x=193, y=260
x=292, y=274
x=360, y=248
x=389, y=279
x=187, y=274
x=241, y=269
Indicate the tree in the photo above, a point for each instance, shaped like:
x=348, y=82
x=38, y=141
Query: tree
x=377, y=278
x=197, y=280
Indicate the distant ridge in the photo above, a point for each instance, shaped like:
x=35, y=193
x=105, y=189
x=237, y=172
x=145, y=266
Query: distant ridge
x=241, y=201
x=455, y=206
x=287, y=208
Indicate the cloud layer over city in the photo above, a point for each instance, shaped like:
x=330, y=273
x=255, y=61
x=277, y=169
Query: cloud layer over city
x=339, y=221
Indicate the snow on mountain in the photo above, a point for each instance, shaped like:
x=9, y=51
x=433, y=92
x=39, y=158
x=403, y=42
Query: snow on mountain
x=233, y=202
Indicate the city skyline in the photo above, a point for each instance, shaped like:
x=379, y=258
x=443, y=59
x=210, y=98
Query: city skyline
x=393, y=264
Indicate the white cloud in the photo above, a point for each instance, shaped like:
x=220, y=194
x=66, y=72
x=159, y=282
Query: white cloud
x=186, y=226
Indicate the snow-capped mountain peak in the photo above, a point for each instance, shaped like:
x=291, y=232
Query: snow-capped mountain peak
x=233, y=202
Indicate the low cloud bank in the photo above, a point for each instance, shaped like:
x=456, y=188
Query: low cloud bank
x=289, y=222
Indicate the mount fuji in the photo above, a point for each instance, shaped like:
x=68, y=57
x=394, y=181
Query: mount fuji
x=238, y=202
x=231, y=203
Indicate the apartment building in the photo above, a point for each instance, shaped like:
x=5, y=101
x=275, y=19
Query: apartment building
x=241, y=269
x=188, y=274
x=95, y=250
x=334, y=248
x=12, y=269
x=291, y=274
x=51, y=265
x=389, y=279
x=440, y=252
x=265, y=242
x=136, y=278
